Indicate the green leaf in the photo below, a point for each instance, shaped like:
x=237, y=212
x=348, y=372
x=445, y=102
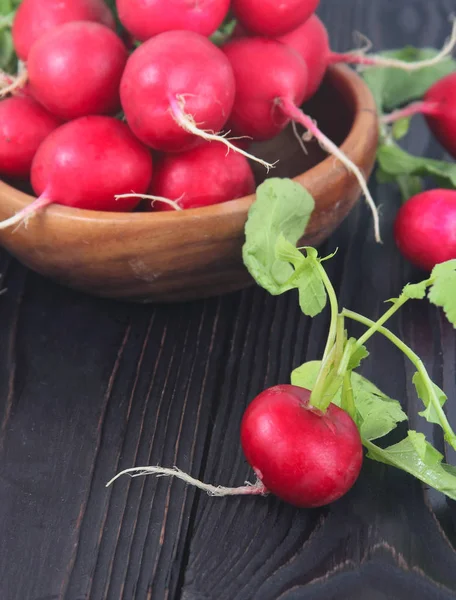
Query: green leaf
x=415, y=291
x=443, y=289
x=401, y=128
x=379, y=414
x=282, y=207
x=423, y=394
x=394, y=87
x=416, y=456
x=395, y=162
x=355, y=359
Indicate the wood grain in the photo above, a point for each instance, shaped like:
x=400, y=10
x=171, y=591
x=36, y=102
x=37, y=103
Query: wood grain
x=89, y=387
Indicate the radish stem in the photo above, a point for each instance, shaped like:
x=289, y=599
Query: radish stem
x=416, y=361
x=294, y=113
x=249, y=489
x=416, y=108
x=187, y=122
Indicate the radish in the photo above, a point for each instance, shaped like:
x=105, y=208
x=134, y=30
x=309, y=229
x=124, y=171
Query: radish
x=75, y=70
x=311, y=42
x=439, y=108
x=36, y=17
x=268, y=99
x=271, y=17
x=146, y=18
x=201, y=177
x=425, y=228
x=302, y=455
x=84, y=163
x=24, y=124
x=176, y=90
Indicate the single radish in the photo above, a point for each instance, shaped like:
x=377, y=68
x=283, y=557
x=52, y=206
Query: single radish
x=146, y=18
x=439, y=109
x=272, y=18
x=267, y=100
x=84, y=164
x=302, y=455
x=311, y=42
x=201, y=177
x=75, y=70
x=177, y=90
x=34, y=18
x=425, y=228
x=24, y=124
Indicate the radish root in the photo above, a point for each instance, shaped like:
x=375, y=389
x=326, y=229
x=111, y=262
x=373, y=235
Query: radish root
x=249, y=489
x=360, y=59
x=173, y=203
x=297, y=115
x=23, y=216
x=10, y=84
x=187, y=122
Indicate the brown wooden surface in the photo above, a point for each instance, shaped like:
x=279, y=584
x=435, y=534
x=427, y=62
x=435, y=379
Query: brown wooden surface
x=149, y=257
x=88, y=387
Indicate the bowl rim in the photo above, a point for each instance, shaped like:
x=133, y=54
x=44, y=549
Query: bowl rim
x=365, y=116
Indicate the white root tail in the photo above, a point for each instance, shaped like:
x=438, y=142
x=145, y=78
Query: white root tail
x=173, y=203
x=23, y=216
x=249, y=489
x=292, y=111
x=10, y=84
x=187, y=122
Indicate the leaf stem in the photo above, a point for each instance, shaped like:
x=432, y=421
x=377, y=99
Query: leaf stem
x=415, y=360
x=376, y=326
x=348, y=400
x=334, y=310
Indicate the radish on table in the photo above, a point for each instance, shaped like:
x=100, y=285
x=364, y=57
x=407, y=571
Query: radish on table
x=270, y=17
x=34, y=18
x=24, y=124
x=177, y=90
x=303, y=441
x=75, y=70
x=84, y=164
x=146, y=18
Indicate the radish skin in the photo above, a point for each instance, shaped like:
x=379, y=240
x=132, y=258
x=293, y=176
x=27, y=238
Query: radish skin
x=147, y=18
x=84, y=164
x=203, y=176
x=34, y=18
x=271, y=17
x=75, y=70
x=178, y=90
x=24, y=124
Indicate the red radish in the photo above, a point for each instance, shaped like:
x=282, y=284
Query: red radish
x=425, y=228
x=84, y=164
x=268, y=99
x=146, y=18
x=302, y=455
x=75, y=70
x=271, y=17
x=439, y=108
x=201, y=177
x=311, y=42
x=24, y=124
x=34, y=18
x=177, y=89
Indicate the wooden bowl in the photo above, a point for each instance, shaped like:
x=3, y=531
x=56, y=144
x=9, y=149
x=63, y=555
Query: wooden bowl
x=175, y=256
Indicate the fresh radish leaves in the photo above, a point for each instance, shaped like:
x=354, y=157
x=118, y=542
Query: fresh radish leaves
x=393, y=88
x=272, y=231
x=282, y=209
x=443, y=289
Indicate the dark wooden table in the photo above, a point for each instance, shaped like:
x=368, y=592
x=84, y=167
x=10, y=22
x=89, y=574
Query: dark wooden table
x=89, y=387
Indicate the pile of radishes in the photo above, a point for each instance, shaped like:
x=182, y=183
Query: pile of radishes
x=102, y=115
